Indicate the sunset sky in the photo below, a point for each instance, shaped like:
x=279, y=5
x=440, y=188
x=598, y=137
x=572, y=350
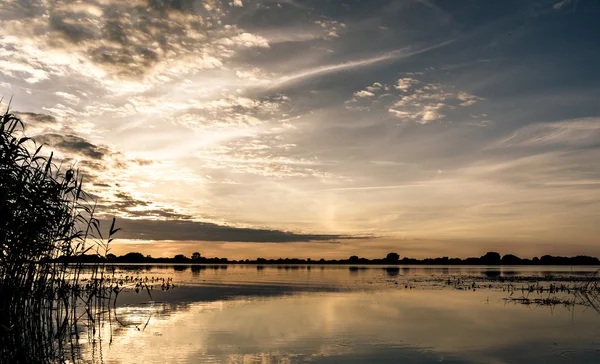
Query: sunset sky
x=313, y=128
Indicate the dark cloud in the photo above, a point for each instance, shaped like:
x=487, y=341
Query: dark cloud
x=95, y=165
x=179, y=5
x=159, y=213
x=93, y=160
x=123, y=203
x=128, y=200
x=73, y=144
x=130, y=39
x=142, y=162
x=202, y=231
x=89, y=157
x=74, y=30
x=31, y=117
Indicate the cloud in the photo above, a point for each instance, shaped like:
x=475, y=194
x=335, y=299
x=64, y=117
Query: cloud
x=17, y=69
x=561, y=4
x=406, y=83
x=109, y=175
x=480, y=123
x=568, y=133
x=331, y=27
x=211, y=112
x=69, y=97
x=364, y=93
x=368, y=188
x=350, y=65
x=412, y=100
x=143, y=41
x=246, y=40
x=234, y=133
x=309, y=73
x=126, y=206
x=468, y=99
x=201, y=231
x=263, y=156
x=41, y=124
x=73, y=144
x=35, y=118
x=254, y=74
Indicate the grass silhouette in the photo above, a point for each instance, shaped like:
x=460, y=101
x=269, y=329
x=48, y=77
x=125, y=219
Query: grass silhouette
x=44, y=214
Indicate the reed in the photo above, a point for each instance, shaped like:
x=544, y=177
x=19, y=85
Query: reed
x=45, y=214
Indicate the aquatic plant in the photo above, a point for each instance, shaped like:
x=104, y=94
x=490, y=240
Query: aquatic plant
x=589, y=291
x=44, y=214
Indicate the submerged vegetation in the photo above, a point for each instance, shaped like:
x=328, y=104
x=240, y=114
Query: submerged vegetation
x=585, y=292
x=45, y=214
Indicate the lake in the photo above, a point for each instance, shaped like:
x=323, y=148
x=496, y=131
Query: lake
x=351, y=314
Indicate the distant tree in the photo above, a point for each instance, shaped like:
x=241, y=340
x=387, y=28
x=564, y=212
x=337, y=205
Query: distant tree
x=196, y=256
x=472, y=260
x=582, y=259
x=133, y=257
x=548, y=259
x=180, y=258
x=511, y=259
x=110, y=256
x=353, y=258
x=491, y=258
x=392, y=258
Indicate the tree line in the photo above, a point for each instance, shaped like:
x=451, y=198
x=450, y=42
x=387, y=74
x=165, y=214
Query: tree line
x=490, y=258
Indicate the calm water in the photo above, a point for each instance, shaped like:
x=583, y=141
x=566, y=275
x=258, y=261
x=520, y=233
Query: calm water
x=341, y=314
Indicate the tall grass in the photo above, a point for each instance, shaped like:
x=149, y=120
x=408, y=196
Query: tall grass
x=44, y=214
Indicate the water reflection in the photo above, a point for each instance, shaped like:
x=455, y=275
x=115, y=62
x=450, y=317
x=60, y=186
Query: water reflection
x=196, y=269
x=381, y=326
x=355, y=270
x=492, y=273
x=180, y=268
x=392, y=271
x=343, y=314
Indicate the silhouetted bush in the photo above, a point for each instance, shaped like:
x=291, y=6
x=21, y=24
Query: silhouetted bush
x=392, y=258
x=490, y=258
x=511, y=259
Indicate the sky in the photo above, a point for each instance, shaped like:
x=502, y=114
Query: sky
x=311, y=128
